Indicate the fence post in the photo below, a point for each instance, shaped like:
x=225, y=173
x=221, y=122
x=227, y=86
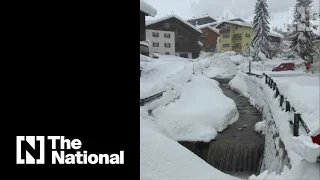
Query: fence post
x=277, y=92
x=287, y=106
x=274, y=86
x=250, y=68
x=266, y=79
x=296, y=124
x=281, y=100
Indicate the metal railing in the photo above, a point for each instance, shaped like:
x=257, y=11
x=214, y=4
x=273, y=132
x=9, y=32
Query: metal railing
x=150, y=98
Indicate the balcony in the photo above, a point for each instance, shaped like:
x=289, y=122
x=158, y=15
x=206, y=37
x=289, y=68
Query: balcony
x=224, y=31
x=237, y=38
x=237, y=49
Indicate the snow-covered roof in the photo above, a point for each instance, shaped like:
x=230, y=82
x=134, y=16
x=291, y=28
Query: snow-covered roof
x=173, y=16
x=208, y=24
x=144, y=43
x=147, y=8
x=209, y=27
x=201, y=18
x=275, y=34
x=232, y=21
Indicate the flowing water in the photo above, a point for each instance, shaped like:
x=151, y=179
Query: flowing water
x=238, y=150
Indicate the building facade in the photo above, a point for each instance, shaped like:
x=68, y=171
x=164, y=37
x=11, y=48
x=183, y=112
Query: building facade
x=145, y=10
x=186, y=35
x=161, y=42
x=234, y=36
x=210, y=38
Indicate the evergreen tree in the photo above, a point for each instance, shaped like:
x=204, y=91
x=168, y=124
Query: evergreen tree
x=261, y=29
x=300, y=31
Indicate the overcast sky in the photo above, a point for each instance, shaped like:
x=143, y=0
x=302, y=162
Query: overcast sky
x=238, y=8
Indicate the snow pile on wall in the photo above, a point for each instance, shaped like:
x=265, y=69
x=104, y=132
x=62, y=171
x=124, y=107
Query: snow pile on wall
x=201, y=111
x=162, y=158
x=281, y=147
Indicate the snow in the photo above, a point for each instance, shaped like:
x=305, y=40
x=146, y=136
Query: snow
x=304, y=147
x=192, y=108
x=195, y=18
x=147, y=8
x=269, y=64
x=239, y=23
x=209, y=27
x=275, y=34
x=298, y=149
x=186, y=110
x=213, y=24
x=260, y=126
x=162, y=158
x=219, y=66
x=200, y=43
x=173, y=16
x=303, y=94
x=144, y=43
x=237, y=59
x=194, y=116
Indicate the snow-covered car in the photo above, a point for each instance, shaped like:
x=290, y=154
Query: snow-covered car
x=144, y=48
x=155, y=55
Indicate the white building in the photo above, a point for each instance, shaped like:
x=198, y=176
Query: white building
x=161, y=42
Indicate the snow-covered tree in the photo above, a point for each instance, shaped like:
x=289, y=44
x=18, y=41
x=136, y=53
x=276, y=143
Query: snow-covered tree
x=300, y=30
x=261, y=29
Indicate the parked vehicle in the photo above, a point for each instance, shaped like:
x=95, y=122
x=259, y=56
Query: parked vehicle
x=155, y=55
x=284, y=67
x=144, y=48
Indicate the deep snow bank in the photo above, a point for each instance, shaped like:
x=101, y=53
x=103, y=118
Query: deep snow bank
x=303, y=94
x=278, y=133
x=219, y=66
x=163, y=75
x=201, y=110
x=162, y=159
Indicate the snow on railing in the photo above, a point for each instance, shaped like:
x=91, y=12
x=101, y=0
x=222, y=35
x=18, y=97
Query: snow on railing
x=297, y=116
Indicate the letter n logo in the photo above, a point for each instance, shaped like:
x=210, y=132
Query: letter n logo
x=30, y=149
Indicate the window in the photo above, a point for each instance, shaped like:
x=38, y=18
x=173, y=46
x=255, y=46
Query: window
x=166, y=35
x=167, y=53
x=167, y=45
x=155, y=44
x=237, y=45
x=226, y=45
x=248, y=35
x=226, y=36
x=155, y=34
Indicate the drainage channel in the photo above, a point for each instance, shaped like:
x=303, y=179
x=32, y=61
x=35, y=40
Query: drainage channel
x=238, y=150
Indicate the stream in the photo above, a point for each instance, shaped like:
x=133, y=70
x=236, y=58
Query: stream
x=237, y=150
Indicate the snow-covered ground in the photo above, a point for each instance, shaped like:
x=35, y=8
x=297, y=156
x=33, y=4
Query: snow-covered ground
x=305, y=98
x=201, y=111
x=192, y=108
x=267, y=66
x=220, y=65
x=303, y=94
x=162, y=158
